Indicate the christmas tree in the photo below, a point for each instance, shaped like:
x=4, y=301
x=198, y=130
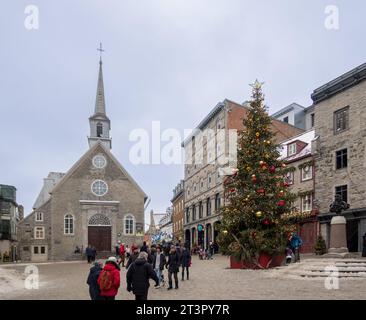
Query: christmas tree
x=257, y=193
x=320, y=246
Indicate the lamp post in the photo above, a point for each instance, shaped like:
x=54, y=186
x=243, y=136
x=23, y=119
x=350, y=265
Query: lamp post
x=338, y=234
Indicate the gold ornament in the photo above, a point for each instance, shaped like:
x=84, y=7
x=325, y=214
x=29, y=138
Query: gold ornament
x=257, y=134
x=258, y=214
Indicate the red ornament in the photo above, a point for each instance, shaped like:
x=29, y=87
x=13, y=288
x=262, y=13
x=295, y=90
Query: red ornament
x=232, y=190
x=266, y=222
x=254, y=235
x=272, y=169
x=281, y=203
x=254, y=178
x=260, y=191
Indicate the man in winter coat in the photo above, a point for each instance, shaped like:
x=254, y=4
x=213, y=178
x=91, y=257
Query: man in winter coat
x=134, y=255
x=296, y=243
x=92, y=280
x=138, y=276
x=173, y=267
x=109, y=279
x=89, y=253
x=186, y=262
x=159, y=263
x=144, y=247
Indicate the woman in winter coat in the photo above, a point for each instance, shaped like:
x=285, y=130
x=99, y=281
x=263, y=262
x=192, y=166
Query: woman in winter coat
x=173, y=267
x=138, y=276
x=92, y=281
x=109, y=279
x=186, y=262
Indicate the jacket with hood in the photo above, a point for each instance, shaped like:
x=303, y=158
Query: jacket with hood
x=92, y=281
x=138, y=276
x=162, y=261
x=114, y=271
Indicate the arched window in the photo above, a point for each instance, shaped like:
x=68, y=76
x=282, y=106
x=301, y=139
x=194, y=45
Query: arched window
x=129, y=225
x=99, y=129
x=69, y=224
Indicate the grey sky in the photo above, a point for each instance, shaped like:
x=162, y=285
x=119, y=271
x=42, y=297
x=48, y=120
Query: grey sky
x=165, y=60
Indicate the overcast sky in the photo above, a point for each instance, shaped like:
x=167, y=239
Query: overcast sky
x=166, y=60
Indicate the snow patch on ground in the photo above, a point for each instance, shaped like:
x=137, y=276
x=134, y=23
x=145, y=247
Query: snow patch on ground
x=10, y=281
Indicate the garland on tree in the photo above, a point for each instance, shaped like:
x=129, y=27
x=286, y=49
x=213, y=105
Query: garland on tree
x=257, y=193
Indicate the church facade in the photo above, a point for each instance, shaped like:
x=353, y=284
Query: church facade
x=95, y=203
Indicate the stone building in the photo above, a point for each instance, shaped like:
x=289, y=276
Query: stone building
x=297, y=154
x=203, y=180
x=178, y=211
x=10, y=215
x=296, y=115
x=340, y=151
x=96, y=202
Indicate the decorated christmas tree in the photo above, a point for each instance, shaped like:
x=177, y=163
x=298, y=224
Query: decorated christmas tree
x=257, y=193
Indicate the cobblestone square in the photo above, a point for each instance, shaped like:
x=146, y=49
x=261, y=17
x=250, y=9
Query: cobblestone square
x=210, y=279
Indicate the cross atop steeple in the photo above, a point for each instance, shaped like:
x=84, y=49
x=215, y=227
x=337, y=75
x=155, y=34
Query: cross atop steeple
x=101, y=50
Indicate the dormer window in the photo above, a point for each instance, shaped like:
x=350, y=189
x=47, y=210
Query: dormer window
x=99, y=130
x=291, y=149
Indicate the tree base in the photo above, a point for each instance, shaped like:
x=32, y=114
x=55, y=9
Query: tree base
x=265, y=261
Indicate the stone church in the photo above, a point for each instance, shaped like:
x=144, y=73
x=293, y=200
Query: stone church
x=96, y=202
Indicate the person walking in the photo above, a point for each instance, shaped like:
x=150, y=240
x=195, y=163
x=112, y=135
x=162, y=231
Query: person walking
x=117, y=249
x=173, y=267
x=144, y=247
x=186, y=262
x=89, y=253
x=211, y=249
x=122, y=254
x=133, y=256
x=296, y=243
x=109, y=279
x=138, y=276
x=158, y=264
x=93, y=254
x=128, y=251
x=92, y=281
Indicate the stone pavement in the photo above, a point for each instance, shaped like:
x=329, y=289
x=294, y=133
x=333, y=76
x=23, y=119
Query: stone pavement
x=209, y=280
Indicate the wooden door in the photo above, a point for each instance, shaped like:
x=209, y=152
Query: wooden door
x=100, y=237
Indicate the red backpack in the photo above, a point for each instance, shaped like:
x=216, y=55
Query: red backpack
x=106, y=280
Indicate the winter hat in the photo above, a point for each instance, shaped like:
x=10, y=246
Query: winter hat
x=112, y=259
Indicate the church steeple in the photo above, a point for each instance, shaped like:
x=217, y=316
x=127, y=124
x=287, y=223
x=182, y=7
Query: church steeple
x=99, y=122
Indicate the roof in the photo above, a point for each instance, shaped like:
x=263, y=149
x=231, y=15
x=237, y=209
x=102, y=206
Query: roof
x=306, y=137
x=49, y=183
x=339, y=84
x=108, y=152
x=285, y=110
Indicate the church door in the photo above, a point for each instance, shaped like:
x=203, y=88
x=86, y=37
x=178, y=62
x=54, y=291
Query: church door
x=100, y=238
x=100, y=233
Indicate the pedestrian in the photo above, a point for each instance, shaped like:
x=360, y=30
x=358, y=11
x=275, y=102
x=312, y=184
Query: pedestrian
x=122, y=253
x=128, y=251
x=109, y=279
x=173, y=267
x=289, y=254
x=92, y=281
x=138, y=276
x=89, y=253
x=117, y=249
x=296, y=243
x=144, y=247
x=211, y=249
x=364, y=245
x=133, y=256
x=186, y=262
x=158, y=264
x=94, y=254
